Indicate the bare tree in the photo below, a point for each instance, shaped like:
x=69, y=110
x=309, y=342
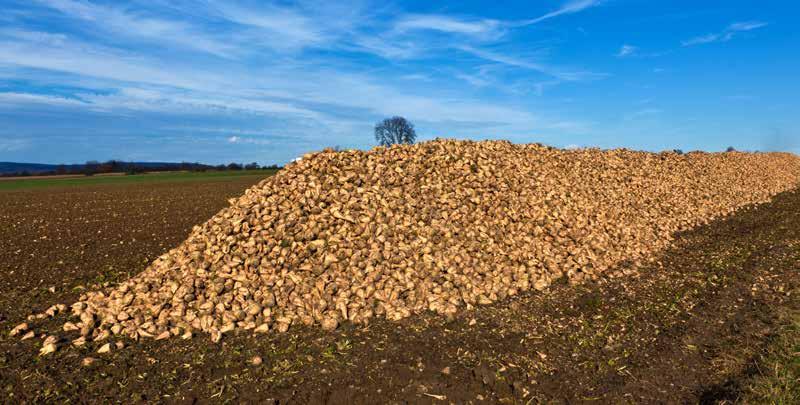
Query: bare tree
x=394, y=130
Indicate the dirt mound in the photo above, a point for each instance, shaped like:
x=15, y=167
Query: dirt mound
x=434, y=226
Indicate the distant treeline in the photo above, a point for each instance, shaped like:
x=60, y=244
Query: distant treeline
x=93, y=167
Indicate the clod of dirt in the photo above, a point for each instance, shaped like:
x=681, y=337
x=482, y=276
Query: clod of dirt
x=484, y=374
x=434, y=226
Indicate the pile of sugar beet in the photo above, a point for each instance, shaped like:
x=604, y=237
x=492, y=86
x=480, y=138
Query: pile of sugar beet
x=438, y=226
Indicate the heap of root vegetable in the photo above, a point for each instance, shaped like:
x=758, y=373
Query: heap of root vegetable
x=437, y=226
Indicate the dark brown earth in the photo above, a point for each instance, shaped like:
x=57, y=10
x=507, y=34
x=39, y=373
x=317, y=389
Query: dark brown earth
x=684, y=329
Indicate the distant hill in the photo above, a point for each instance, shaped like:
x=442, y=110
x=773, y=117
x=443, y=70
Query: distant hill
x=34, y=168
x=13, y=167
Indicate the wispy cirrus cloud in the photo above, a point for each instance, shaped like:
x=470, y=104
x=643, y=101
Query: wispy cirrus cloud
x=561, y=73
x=474, y=79
x=387, y=48
x=626, y=50
x=491, y=28
x=401, y=43
x=180, y=89
x=726, y=35
x=247, y=140
x=287, y=68
x=123, y=23
x=190, y=102
x=15, y=99
x=35, y=50
x=9, y=144
x=481, y=28
x=292, y=27
x=224, y=29
x=569, y=7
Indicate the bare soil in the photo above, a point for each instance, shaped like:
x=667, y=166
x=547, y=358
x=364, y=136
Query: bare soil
x=686, y=328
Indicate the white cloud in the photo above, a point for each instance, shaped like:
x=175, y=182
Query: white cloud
x=725, y=35
x=399, y=43
x=8, y=144
x=626, y=50
x=14, y=99
x=223, y=28
x=123, y=23
x=474, y=80
x=289, y=27
x=703, y=39
x=386, y=48
x=251, y=141
x=541, y=86
x=746, y=26
x=36, y=37
x=560, y=73
x=478, y=28
x=384, y=99
x=280, y=27
x=569, y=7
x=308, y=94
x=89, y=60
x=416, y=76
x=182, y=101
x=181, y=90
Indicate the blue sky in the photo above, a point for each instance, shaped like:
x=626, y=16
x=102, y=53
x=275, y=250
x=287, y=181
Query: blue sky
x=219, y=81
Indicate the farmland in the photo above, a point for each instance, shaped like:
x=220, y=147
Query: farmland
x=695, y=324
x=26, y=183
